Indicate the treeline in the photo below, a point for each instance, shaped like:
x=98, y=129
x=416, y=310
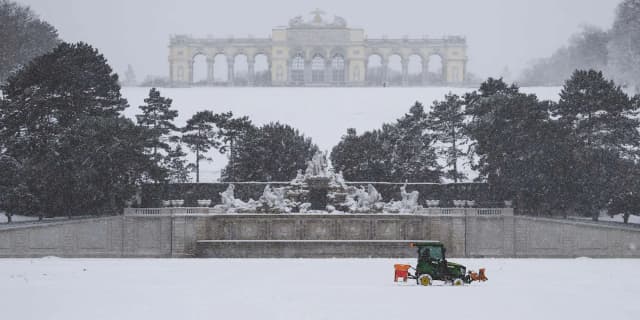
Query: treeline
x=66, y=149
x=616, y=52
x=578, y=155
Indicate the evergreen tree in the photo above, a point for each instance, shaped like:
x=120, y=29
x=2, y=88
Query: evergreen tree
x=624, y=48
x=231, y=129
x=273, y=152
x=61, y=121
x=177, y=165
x=398, y=152
x=157, y=116
x=130, y=77
x=518, y=146
x=602, y=120
x=24, y=36
x=446, y=120
x=363, y=157
x=200, y=135
x=411, y=155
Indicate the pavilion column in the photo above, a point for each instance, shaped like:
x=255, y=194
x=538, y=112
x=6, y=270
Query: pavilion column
x=230, y=72
x=365, y=72
x=190, y=70
x=384, y=70
x=307, y=71
x=405, y=72
x=445, y=72
x=172, y=75
x=328, y=72
x=251, y=77
x=210, y=73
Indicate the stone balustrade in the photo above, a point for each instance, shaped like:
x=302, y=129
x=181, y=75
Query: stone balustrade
x=173, y=211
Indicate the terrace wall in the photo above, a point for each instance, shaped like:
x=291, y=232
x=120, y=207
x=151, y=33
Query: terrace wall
x=184, y=235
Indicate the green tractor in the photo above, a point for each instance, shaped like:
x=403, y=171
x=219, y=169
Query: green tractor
x=433, y=265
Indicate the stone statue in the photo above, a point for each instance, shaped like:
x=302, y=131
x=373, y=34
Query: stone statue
x=296, y=21
x=339, y=22
x=409, y=199
x=227, y=196
x=229, y=204
x=408, y=203
x=317, y=166
x=361, y=200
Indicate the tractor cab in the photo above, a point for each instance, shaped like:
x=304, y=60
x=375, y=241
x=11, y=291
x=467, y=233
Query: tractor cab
x=433, y=265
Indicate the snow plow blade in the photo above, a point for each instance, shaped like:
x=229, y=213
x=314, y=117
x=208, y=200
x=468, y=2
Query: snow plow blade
x=480, y=276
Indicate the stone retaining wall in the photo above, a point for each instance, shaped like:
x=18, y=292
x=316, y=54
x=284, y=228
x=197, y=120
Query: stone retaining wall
x=178, y=235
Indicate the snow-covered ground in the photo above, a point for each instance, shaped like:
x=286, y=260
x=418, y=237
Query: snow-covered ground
x=324, y=114
x=53, y=288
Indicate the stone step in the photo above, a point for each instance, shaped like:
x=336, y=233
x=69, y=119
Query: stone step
x=305, y=249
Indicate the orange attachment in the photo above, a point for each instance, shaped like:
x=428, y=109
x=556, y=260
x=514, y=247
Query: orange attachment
x=480, y=276
x=401, y=272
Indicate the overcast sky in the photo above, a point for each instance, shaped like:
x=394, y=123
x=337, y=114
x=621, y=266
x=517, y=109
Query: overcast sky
x=499, y=32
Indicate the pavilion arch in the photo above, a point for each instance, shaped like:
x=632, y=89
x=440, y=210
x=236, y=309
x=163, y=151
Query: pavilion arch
x=375, y=73
x=261, y=69
x=199, y=74
x=241, y=69
x=338, y=68
x=318, y=66
x=435, y=69
x=394, y=69
x=297, y=67
x=220, y=69
x=415, y=69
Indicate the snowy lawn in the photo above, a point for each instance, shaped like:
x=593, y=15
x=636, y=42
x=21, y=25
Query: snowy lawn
x=324, y=114
x=53, y=288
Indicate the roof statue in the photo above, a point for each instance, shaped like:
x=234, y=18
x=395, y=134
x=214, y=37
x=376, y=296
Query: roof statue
x=317, y=16
x=317, y=21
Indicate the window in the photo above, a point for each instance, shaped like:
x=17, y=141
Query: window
x=337, y=65
x=317, y=69
x=297, y=68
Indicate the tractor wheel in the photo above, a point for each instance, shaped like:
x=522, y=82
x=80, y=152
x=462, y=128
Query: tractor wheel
x=425, y=280
x=458, y=282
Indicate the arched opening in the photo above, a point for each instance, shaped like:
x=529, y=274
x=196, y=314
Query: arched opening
x=199, y=67
x=297, y=68
x=415, y=70
x=317, y=69
x=262, y=74
x=394, y=72
x=220, y=69
x=374, y=70
x=435, y=75
x=240, y=70
x=337, y=68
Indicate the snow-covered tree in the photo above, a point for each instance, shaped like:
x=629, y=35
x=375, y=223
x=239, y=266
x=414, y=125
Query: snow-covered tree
x=446, y=121
x=130, y=77
x=603, y=121
x=157, y=117
x=23, y=36
x=398, y=152
x=586, y=50
x=230, y=130
x=201, y=135
x=273, y=152
x=61, y=121
x=624, y=48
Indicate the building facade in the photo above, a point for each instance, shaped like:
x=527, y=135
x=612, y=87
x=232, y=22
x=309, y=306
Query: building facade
x=318, y=52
